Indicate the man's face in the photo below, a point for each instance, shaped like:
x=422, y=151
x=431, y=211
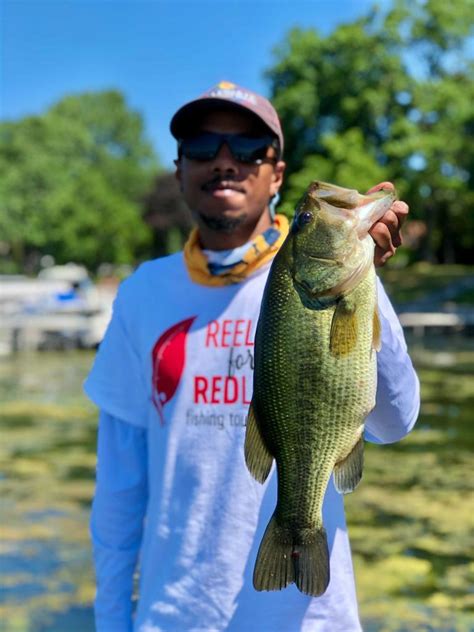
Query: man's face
x=228, y=197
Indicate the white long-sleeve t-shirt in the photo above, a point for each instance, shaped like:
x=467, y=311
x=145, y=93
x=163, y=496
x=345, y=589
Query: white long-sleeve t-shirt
x=173, y=380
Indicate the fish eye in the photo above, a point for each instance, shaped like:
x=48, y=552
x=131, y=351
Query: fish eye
x=304, y=218
x=300, y=220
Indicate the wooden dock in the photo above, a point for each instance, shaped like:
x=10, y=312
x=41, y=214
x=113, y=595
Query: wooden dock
x=83, y=324
x=420, y=322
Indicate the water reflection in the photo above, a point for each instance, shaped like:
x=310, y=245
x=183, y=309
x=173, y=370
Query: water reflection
x=410, y=521
x=47, y=464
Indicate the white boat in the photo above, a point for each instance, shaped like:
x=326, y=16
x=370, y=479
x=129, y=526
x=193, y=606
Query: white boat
x=61, y=308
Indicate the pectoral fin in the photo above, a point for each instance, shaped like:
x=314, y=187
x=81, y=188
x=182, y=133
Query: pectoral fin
x=376, y=332
x=343, y=336
x=257, y=456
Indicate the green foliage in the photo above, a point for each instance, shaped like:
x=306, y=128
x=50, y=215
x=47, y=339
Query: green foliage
x=387, y=97
x=347, y=163
x=424, y=279
x=72, y=180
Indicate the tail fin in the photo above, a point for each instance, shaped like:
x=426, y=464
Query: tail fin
x=280, y=561
x=311, y=561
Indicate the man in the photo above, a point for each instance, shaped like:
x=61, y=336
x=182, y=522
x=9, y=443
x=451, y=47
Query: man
x=173, y=382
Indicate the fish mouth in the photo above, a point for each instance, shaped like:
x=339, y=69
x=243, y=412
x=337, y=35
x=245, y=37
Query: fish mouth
x=372, y=208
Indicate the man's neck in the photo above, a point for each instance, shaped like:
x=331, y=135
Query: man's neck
x=210, y=239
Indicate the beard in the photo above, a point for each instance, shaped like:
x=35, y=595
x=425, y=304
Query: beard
x=225, y=225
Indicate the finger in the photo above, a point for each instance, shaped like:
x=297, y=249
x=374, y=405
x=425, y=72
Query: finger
x=393, y=223
x=389, y=186
x=382, y=236
x=381, y=256
x=401, y=210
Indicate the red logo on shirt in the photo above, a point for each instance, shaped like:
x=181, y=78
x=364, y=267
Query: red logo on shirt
x=168, y=359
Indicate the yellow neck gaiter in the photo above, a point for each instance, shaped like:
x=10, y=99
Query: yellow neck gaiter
x=261, y=251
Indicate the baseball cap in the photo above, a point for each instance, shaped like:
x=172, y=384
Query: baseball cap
x=227, y=95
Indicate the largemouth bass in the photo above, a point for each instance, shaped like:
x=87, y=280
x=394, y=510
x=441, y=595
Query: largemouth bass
x=315, y=376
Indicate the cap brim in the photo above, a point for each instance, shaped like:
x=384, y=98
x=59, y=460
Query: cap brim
x=184, y=121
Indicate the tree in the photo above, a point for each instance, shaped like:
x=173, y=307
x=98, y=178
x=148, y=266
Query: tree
x=435, y=149
x=386, y=97
x=165, y=211
x=72, y=180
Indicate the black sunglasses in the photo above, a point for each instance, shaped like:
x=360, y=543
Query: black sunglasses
x=246, y=149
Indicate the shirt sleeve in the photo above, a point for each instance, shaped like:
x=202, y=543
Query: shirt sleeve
x=116, y=383
x=398, y=388
x=117, y=517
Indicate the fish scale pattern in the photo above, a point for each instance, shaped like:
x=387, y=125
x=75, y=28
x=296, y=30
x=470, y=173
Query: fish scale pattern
x=315, y=376
x=315, y=417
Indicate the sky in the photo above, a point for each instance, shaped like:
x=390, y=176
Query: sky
x=159, y=53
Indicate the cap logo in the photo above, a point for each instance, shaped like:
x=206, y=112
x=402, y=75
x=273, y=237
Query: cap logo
x=228, y=90
x=226, y=85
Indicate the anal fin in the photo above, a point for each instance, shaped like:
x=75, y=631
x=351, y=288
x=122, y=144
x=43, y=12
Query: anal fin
x=257, y=456
x=348, y=472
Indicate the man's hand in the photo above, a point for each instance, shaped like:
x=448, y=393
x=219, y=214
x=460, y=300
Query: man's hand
x=386, y=232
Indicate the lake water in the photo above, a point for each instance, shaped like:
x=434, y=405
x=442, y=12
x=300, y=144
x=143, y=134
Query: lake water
x=411, y=521
x=47, y=465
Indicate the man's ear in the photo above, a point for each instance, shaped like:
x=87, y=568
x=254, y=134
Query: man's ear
x=177, y=173
x=278, y=173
